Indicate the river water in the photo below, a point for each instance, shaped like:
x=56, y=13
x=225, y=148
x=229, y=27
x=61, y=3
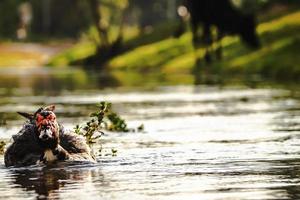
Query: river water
x=199, y=142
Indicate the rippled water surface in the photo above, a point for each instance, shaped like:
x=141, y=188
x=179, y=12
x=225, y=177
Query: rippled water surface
x=199, y=143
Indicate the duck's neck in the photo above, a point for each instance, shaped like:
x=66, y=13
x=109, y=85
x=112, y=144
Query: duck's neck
x=51, y=155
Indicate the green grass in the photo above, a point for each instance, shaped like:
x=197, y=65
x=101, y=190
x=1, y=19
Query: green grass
x=86, y=48
x=78, y=52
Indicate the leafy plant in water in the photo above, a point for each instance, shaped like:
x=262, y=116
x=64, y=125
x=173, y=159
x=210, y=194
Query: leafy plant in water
x=92, y=130
x=2, y=145
x=115, y=122
x=103, y=118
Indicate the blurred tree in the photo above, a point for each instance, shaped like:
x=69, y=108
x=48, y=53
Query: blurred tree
x=9, y=18
x=66, y=18
x=99, y=22
x=25, y=17
x=108, y=18
x=247, y=6
x=149, y=13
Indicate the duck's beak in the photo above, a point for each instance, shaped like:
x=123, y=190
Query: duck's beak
x=46, y=134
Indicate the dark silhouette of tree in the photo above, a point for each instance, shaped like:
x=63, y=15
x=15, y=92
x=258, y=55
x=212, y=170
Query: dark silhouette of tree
x=107, y=47
x=60, y=18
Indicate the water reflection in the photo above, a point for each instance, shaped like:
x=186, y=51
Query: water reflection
x=49, y=182
x=49, y=81
x=52, y=81
x=288, y=177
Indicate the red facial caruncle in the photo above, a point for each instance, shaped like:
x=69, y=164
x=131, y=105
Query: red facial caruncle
x=46, y=124
x=45, y=119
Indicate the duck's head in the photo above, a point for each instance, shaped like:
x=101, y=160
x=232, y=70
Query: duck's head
x=47, y=128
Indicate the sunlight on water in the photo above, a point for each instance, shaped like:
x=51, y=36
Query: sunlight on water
x=199, y=143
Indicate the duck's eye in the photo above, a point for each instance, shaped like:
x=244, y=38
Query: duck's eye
x=39, y=118
x=51, y=117
x=44, y=127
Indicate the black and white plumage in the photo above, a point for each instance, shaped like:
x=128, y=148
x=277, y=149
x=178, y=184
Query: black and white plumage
x=28, y=148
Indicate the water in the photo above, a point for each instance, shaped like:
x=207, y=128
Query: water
x=199, y=142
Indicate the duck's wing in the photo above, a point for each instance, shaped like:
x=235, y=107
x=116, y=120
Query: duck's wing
x=24, y=150
x=77, y=147
x=73, y=143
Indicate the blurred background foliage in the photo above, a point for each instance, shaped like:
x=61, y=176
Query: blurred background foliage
x=135, y=36
x=70, y=18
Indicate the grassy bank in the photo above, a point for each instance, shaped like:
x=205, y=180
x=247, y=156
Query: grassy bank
x=276, y=59
x=159, y=57
x=23, y=54
x=132, y=39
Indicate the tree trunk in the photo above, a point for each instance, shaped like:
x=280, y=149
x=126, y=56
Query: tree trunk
x=105, y=49
x=96, y=15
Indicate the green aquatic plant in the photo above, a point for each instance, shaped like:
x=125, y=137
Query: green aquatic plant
x=92, y=130
x=116, y=123
x=104, y=118
x=2, y=145
x=114, y=152
x=113, y=121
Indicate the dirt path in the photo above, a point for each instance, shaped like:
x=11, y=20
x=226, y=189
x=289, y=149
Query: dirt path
x=29, y=54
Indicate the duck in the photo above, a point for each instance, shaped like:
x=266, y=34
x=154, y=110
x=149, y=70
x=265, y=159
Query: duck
x=42, y=140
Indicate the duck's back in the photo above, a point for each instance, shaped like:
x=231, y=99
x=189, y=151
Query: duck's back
x=25, y=149
x=76, y=146
x=72, y=142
